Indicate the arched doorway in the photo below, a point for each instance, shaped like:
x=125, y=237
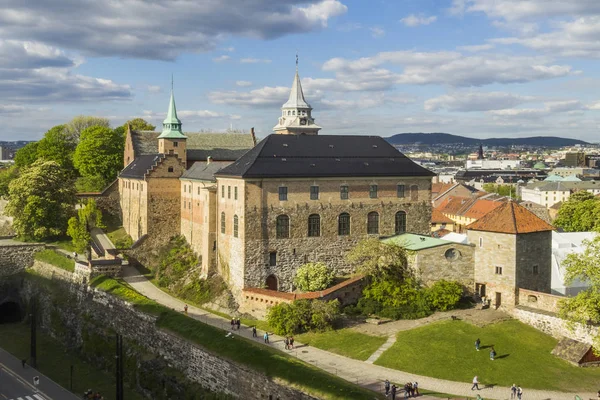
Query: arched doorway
x=272, y=282
x=10, y=312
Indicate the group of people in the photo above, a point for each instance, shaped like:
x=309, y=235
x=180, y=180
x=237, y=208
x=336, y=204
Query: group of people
x=516, y=392
x=90, y=395
x=492, y=351
x=235, y=324
x=289, y=343
x=411, y=389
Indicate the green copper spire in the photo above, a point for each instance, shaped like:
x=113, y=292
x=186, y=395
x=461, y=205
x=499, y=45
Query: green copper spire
x=172, y=124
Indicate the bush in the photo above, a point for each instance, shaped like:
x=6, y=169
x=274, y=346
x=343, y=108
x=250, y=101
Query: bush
x=444, y=295
x=313, y=276
x=175, y=261
x=303, y=316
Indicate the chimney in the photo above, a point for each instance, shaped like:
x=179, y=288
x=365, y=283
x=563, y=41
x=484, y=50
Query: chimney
x=253, y=136
x=208, y=160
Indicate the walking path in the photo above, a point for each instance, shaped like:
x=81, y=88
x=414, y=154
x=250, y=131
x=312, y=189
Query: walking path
x=391, y=340
x=367, y=375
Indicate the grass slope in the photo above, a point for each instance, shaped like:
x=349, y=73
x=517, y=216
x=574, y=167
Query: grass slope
x=345, y=342
x=263, y=359
x=56, y=259
x=446, y=350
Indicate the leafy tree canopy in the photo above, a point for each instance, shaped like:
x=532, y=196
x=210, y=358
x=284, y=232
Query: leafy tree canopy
x=378, y=260
x=313, y=276
x=41, y=200
x=26, y=155
x=580, y=213
x=99, y=153
x=57, y=146
x=138, y=124
x=6, y=176
x=79, y=227
x=81, y=122
x=502, y=190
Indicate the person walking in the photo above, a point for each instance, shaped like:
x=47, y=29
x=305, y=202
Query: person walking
x=492, y=354
x=287, y=343
x=386, y=385
x=406, y=391
x=416, y=389
x=266, y=337
x=185, y=308
x=393, y=392
x=292, y=342
x=519, y=392
x=254, y=331
x=513, y=391
x=475, y=383
x=232, y=323
x=477, y=344
x=238, y=323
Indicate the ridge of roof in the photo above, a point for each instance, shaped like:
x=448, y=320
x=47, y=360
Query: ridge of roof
x=510, y=218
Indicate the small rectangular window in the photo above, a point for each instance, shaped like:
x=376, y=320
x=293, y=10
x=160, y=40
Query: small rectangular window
x=222, y=191
x=400, y=191
x=198, y=190
x=283, y=193
x=314, y=193
x=480, y=242
x=175, y=144
x=373, y=191
x=184, y=188
x=190, y=205
x=228, y=192
x=344, y=192
x=535, y=270
x=498, y=270
x=272, y=258
x=235, y=193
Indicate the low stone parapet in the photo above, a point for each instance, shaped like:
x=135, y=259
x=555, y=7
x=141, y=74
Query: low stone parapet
x=539, y=300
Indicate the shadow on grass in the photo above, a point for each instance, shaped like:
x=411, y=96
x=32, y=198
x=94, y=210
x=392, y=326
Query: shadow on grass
x=489, y=346
x=503, y=356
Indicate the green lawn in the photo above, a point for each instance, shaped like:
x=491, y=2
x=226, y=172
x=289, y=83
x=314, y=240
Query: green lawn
x=55, y=363
x=345, y=342
x=446, y=350
x=267, y=360
x=58, y=260
x=116, y=232
x=65, y=243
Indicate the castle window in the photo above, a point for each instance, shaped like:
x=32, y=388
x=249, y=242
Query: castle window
x=235, y=226
x=536, y=270
x=282, y=227
x=498, y=270
x=373, y=223
x=314, y=225
x=175, y=144
x=480, y=242
x=373, y=191
x=414, y=193
x=314, y=193
x=198, y=190
x=184, y=188
x=344, y=224
x=283, y=193
x=344, y=192
x=222, y=222
x=170, y=169
x=273, y=259
x=142, y=187
x=293, y=112
x=184, y=204
x=222, y=191
x=289, y=113
x=400, y=191
x=400, y=222
x=228, y=192
x=235, y=193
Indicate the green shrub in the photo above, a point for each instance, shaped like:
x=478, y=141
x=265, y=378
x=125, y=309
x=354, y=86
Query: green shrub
x=444, y=295
x=313, y=276
x=303, y=316
x=175, y=261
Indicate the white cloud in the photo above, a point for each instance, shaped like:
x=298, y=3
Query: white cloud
x=476, y=48
x=416, y=20
x=243, y=83
x=10, y=109
x=254, y=61
x=153, y=89
x=229, y=49
x=551, y=108
x=264, y=97
x=511, y=10
x=377, y=32
x=221, y=58
x=476, y=101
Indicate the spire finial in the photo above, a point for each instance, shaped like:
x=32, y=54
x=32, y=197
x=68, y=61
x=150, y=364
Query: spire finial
x=296, y=60
x=171, y=82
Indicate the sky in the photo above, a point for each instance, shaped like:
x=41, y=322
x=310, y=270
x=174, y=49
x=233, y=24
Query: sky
x=478, y=68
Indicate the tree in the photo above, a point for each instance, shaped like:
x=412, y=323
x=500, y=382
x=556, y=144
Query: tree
x=138, y=124
x=7, y=175
x=99, y=153
x=79, y=227
x=502, y=190
x=378, y=260
x=580, y=213
x=313, y=276
x=585, y=307
x=41, y=201
x=57, y=146
x=444, y=295
x=26, y=155
x=81, y=122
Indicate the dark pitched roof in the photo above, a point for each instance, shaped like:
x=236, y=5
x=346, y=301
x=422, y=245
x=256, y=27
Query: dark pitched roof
x=220, y=146
x=204, y=172
x=510, y=218
x=323, y=156
x=142, y=165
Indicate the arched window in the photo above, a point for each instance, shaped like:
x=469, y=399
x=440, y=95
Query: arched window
x=373, y=223
x=235, y=226
x=400, y=222
x=314, y=225
x=222, y=222
x=344, y=224
x=289, y=113
x=414, y=193
x=283, y=227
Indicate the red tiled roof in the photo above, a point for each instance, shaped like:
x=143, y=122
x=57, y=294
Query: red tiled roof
x=480, y=208
x=511, y=218
x=439, y=218
x=439, y=188
x=455, y=205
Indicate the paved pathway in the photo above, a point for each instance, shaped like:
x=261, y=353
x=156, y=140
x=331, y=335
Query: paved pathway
x=367, y=375
x=391, y=340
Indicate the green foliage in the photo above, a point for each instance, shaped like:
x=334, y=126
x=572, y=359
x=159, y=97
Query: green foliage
x=176, y=260
x=580, y=213
x=26, y=155
x=313, y=276
x=502, y=190
x=41, y=201
x=77, y=125
x=201, y=291
x=99, y=153
x=58, y=260
x=57, y=146
x=444, y=295
x=87, y=184
x=138, y=124
x=395, y=298
x=7, y=175
x=303, y=316
x=379, y=260
x=87, y=218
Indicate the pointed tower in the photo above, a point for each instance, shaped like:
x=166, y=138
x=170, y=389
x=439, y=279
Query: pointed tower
x=172, y=140
x=296, y=114
x=480, y=152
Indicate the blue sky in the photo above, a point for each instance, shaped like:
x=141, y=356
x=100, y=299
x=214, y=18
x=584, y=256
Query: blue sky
x=479, y=68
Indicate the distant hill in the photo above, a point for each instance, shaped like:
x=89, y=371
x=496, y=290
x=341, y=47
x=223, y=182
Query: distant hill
x=446, y=138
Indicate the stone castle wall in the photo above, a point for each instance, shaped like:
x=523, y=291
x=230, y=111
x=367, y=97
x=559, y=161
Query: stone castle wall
x=15, y=257
x=534, y=261
x=539, y=300
x=435, y=264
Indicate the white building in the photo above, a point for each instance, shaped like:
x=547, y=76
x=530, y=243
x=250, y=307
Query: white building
x=549, y=193
x=563, y=244
x=493, y=164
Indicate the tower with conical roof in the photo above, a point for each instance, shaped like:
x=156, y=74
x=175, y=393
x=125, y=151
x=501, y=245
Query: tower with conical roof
x=296, y=114
x=172, y=140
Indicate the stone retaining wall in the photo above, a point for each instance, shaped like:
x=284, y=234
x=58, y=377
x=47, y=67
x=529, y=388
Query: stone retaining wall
x=15, y=257
x=539, y=300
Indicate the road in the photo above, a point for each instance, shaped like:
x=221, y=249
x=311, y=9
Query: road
x=12, y=387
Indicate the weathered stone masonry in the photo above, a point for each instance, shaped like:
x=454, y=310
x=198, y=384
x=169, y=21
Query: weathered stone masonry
x=16, y=257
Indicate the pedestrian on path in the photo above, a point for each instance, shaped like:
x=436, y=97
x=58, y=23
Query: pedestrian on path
x=24, y=361
x=386, y=385
x=393, y=392
x=492, y=354
x=254, y=331
x=477, y=344
x=475, y=383
x=416, y=388
x=406, y=390
x=287, y=343
x=238, y=323
x=519, y=392
x=266, y=337
x=232, y=323
x=185, y=308
x=513, y=391
x=292, y=342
